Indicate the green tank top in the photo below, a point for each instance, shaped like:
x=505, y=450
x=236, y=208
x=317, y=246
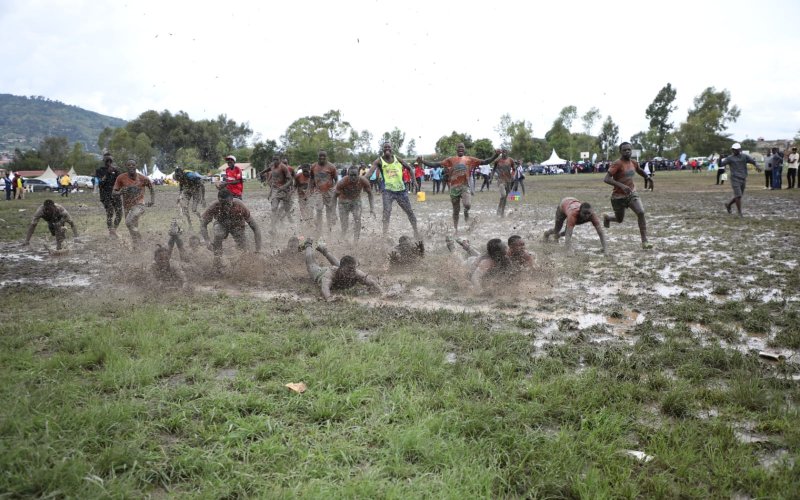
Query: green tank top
x=393, y=175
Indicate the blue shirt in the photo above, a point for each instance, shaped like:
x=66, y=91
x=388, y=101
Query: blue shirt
x=436, y=173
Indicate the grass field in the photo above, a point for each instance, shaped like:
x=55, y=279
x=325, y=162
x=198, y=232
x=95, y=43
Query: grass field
x=113, y=387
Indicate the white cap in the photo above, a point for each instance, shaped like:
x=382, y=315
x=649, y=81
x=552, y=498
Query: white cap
x=736, y=145
x=230, y=157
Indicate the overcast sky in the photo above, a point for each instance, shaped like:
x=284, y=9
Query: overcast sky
x=425, y=67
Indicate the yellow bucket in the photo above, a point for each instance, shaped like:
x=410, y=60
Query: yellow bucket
x=420, y=195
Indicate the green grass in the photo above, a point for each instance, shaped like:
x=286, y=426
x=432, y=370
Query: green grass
x=140, y=393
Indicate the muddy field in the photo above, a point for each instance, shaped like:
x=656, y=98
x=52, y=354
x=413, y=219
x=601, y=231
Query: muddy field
x=701, y=255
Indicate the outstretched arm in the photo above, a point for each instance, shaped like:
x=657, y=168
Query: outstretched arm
x=600, y=232
x=256, y=232
x=431, y=164
x=31, y=229
x=68, y=220
x=368, y=281
x=493, y=158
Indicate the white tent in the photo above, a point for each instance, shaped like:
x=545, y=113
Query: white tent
x=48, y=175
x=156, y=174
x=554, y=160
x=72, y=173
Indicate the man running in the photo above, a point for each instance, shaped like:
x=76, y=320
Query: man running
x=191, y=192
x=459, y=169
x=394, y=190
x=233, y=180
x=131, y=187
x=107, y=175
x=506, y=170
x=302, y=186
x=56, y=216
x=738, y=166
x=574, y=213
x=280, y=183
x=344, y=274
x=323, y=179
x=348, y=194
x=230, y=216
x=620, y=175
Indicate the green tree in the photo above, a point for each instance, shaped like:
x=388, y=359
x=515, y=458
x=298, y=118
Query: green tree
x=516, y=136
x=306, y=136
x=483, y=148
x=608, y=138
x=362, y=146
x=27, y=160
x=658, y=113
x=263, y=152
x=80, y=160
x=559, y=138
x=589, y=119
x=446, y=145
x=703, y=131
x=411, y=148
x=189, y=159
x=396, y=138
x=54, y=150
x=567, y=115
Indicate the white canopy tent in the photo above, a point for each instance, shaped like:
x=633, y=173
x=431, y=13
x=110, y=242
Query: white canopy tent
x=72, y=173
x=48, y=175
x=554, y=160
x=157, y=174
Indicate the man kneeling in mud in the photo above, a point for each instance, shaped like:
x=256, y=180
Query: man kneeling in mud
x=56, y=216
x=406, y=253
x=342, y=275
x=574, y=213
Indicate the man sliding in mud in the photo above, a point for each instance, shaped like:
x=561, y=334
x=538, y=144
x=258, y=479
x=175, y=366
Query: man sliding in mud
x=56, y=216
x=343, y=275
x=521, y=259
x=459, y=169
x=166, y=272
x=574, y=213
x=348, y=194
x=490, y=268
x=230, y=216
x=406, y=254
x=620, y=175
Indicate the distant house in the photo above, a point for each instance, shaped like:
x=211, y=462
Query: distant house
x=248, y=170
x=30, y=173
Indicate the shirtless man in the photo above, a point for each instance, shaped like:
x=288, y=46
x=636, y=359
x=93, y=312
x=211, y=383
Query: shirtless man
x=131, y=187
x=230, y=216
x=738, y=166
x=505, y=168
x=348, y=194
x=191, y=192
x=344, y=274
x=574, y=213
x=56, y=216
x=323, y=180
x=459, y=169
x=280, y=182
x=492, y=267
x=406, y=253
x=521, y=259
x=302, y=186
x=165, y=272
x=620, y=175
x=391, y=169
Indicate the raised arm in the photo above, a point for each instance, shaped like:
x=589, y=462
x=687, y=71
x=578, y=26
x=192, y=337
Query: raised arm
x=324, y=251
x=430, y=164
x=493, y=158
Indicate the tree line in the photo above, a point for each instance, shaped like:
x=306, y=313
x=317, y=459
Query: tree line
x=170, y=139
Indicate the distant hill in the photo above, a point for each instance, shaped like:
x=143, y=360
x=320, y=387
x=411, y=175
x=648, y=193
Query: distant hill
x=25, y=121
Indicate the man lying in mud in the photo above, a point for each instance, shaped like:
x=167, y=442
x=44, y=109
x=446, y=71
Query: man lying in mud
x=521, y=259
x=164, y=271
x=342, y=275
x=493, y=267
x=574, y=213
x=406, y=254
x=230, y=216
x=56, y=216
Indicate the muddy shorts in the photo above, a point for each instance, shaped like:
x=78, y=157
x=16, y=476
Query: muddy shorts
x=460, y=193
x=625, y=202
x=738, y=184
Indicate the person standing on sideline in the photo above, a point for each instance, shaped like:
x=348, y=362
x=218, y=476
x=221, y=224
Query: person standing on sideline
x=107, y=176
x=130, y=186
x=791, y=168
x=460, y=169
x=620, y=175
x=19, y=187
x=738, y=162
x=233, y=180
x=8, y=183
x=66, y=184
x=767, y=172
x=436, y=177
x=394, y=190
x=720, y=172
x=519, y=178
x=777, y=168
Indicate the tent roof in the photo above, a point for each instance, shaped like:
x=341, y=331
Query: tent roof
x=156, y=173
x=554, y=159
x=48, y=174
